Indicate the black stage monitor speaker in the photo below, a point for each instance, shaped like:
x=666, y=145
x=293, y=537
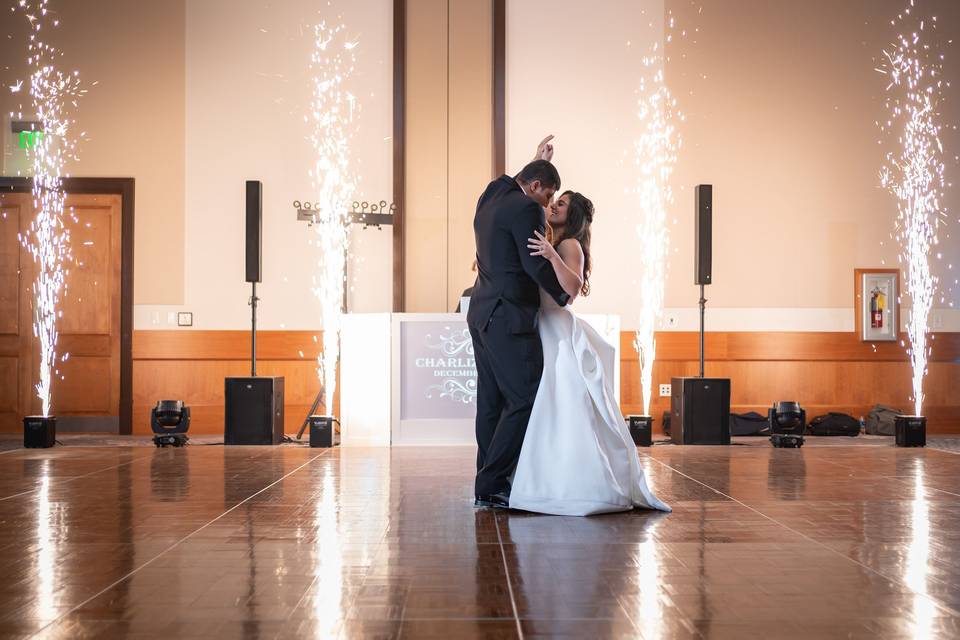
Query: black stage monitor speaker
x=703, y=239
x=700, y=411
x=254, y=228
x=254, y=410
x=39, y=432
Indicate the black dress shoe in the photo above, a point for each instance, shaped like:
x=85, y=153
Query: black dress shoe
x=497, y=501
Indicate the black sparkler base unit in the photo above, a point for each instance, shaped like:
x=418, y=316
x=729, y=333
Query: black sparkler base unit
x=700, y=411
x=39, y=432
x=254, y=410
x=641, y=430
x=910, y=431
x=322, y=431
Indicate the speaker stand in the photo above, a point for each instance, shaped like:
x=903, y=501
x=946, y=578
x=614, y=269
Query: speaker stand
x=253, y=330
x=703, y=308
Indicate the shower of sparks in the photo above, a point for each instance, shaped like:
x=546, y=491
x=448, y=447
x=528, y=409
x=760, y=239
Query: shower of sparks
x=913, y=172
x=655, y=155
x=331, y=114
x=47, y=239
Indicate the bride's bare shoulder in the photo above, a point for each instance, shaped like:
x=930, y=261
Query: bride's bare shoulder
x=570, y=247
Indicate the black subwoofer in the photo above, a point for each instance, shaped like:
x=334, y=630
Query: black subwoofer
x=700, y=411
x=254, y=410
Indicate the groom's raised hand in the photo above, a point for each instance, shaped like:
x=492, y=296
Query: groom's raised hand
x=545, y=149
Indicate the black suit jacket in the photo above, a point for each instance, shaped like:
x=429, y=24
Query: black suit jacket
x=507, y=275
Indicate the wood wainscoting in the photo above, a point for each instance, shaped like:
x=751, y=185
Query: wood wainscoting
x=191, y=366
x=823, y=371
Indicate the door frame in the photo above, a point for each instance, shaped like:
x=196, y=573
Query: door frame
x=124, y=187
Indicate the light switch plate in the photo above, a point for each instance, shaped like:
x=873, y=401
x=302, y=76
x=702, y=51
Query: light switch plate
x=665, y=390
x=184, y=318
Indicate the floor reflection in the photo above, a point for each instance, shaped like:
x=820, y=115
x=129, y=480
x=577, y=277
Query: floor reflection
x=46, y=550
x=289, y=542
x=917, y=567
x=787, y=475
x=587, y=577
x=170, y=474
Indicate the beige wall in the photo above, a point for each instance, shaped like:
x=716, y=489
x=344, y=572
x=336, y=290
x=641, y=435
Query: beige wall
x=449, y=145
x=133, y=117
x=193, y=99
x=231, y=107
x=579, y=81
x=248, y=91
x=781, y=99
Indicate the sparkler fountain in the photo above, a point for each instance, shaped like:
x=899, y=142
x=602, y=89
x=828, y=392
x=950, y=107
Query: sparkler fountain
x=913, y=172
x=47, y=239
x=331, y=114
x=655, y=155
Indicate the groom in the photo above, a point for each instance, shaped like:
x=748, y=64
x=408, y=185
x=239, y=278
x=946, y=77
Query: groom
x=503, y=318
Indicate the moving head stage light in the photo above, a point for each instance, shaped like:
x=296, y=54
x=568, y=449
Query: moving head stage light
x=170, y=421
x=787, y=421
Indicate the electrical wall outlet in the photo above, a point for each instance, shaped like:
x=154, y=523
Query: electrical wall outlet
x=665, y=390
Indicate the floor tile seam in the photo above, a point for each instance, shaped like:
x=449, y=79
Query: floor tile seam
x=147, y=563
x=529, y=618
x=150, y=453
x=506, y=569
x=949, y=451
x=905, y=481
x=74, y=478
x=366, y=575
x=886, y=477
x=943, y=607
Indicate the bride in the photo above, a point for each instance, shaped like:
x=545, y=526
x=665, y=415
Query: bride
x=577, y=458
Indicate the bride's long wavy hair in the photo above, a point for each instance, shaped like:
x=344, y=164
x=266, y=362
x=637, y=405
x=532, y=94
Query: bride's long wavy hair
x=579, y=219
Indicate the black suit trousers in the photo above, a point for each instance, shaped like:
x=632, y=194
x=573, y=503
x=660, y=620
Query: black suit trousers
x=509, y=367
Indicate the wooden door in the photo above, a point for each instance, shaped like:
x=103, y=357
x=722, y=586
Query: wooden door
x=86, y=393
x=12, y=207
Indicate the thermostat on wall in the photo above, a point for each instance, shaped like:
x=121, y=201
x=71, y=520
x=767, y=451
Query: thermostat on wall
x=184, y=318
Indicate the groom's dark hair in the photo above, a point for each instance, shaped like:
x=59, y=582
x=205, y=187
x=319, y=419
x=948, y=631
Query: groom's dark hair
x=540, y=170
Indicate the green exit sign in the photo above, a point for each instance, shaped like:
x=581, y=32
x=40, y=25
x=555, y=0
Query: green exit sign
x=29, y=139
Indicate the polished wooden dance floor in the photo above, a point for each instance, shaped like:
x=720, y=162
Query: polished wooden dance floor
x=291, y=542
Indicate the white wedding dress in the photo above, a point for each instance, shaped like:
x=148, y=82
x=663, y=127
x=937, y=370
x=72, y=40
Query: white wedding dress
x=577, y=458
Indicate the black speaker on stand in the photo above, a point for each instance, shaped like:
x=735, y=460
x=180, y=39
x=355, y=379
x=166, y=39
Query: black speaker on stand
x=703, y=250
x=253, y=412
x=700, y=407
x=254, y=263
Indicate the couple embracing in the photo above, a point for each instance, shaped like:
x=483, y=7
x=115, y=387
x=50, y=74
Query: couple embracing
x=550, y=435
